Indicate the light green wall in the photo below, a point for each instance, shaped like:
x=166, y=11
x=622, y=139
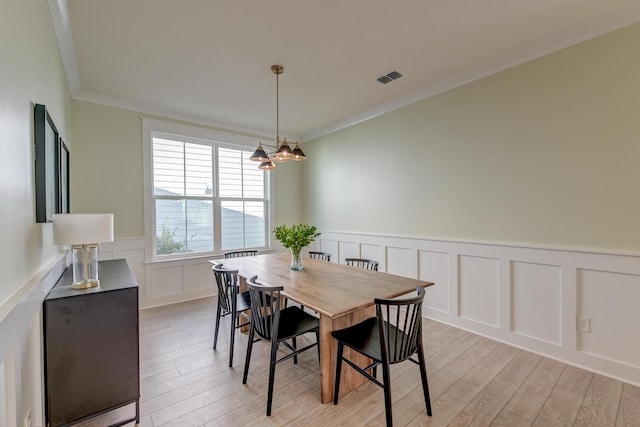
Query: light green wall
x=31, y=72
x=545, y=153
x=106, y=165
x=107, y=175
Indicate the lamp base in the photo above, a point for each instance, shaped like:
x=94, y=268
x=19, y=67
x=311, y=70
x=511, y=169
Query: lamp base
x=85, y=284
x=85, y=266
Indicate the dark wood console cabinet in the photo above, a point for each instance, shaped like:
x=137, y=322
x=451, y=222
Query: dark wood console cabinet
x=91, y=346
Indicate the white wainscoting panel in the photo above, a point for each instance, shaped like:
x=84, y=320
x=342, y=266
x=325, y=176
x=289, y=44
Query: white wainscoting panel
x=478, y=289
x=21, y=381
x=165, y=280
x=399, y=261
x=611, y=300
x=348, y=250
x=8, y=392
x=330, y=246
x=434, y=267
x=135, y=260
x=198, y=277
x=536, y=301
x=374, y=252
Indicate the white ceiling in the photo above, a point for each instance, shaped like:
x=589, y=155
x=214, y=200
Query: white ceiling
x=209, y=61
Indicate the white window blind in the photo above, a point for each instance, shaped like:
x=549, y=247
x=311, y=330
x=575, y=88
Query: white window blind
x=200, y=187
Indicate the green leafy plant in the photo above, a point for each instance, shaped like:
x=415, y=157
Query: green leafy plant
x=166, y=242
x=297, y=236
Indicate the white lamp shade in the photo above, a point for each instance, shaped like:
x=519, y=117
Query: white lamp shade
x=80, y=229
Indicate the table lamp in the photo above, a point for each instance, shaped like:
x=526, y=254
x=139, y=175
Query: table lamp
x=83, y=232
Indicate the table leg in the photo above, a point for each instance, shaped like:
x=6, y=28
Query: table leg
x=242, y=283
x=329, y=351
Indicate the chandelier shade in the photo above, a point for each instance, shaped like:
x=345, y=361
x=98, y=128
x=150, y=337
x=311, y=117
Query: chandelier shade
x=282, y=151
x=267, y=166
x=298, y=154
x=259, y=155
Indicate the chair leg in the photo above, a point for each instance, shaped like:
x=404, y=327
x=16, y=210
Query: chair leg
x=232, y=337
x=387, y=393
x=215, y=334
x=336, y=389
x=295, y=347
x=425, y=384
x=318, y=344
x=272, y=374
x=248, y=356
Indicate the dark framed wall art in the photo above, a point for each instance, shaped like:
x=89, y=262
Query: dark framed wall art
x=51, y=167
x=63, y=177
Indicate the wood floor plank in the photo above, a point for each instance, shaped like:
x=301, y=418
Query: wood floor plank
x=407, y=394
x=436, y=359
x=560, y=409
x=600, y=404
x=449, y=374
x=490, y=401
x=480, y=375
x=575, y=380
x=445, y=408
x=182, y=388
x=431, y=328
x=484, y=408
x=432, y=344
x=284, y=406
x=507, y=418
x=533, y=392
x=520, y=367
x=629, y=410
x=563, y=404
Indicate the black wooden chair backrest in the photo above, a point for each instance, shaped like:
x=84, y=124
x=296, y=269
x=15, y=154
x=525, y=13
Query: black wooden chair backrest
x=323, y=256
x=227, y=281
x=236, y=254
x=368, y=264
x=400, y=323
x=265, y=308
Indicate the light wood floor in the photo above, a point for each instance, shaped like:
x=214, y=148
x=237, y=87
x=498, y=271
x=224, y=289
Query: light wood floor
x=473, y=381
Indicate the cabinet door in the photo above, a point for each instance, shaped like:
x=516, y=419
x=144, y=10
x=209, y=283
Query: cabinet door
x=91, y=345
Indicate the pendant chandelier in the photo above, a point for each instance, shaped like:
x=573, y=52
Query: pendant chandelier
x=282, y=152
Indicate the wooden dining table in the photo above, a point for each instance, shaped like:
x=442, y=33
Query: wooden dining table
x=341, y=295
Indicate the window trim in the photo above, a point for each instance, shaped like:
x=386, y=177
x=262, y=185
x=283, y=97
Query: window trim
x=181, y=131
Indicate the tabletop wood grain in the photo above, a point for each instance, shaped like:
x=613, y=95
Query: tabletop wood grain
x=328, y=288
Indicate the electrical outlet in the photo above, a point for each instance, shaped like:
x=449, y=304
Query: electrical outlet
x=584, y=324
x=27, y=419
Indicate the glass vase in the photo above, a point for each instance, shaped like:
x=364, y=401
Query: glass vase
x=296, y=260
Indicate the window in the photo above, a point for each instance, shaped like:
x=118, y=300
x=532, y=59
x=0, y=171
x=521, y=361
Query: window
x=206, y=195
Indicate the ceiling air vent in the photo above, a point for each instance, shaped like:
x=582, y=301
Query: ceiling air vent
x=388, y=78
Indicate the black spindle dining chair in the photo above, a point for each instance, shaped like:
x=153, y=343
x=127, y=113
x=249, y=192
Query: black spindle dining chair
x=275, y=324
x=393, y=336
x=230, y=302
